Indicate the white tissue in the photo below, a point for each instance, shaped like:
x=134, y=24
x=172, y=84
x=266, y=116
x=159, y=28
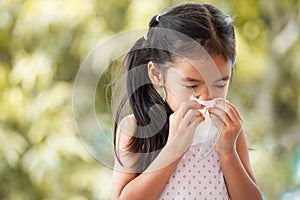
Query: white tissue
x=206, y=130
x=206, y=133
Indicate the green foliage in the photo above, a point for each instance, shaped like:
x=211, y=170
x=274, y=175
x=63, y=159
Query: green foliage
x=42, y=44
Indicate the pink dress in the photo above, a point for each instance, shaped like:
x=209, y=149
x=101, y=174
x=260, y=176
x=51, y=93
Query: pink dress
x=196, y=177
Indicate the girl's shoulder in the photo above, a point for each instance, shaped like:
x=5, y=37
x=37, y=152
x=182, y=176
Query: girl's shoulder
x=125, y=131
x=128, y=121
x=124, y=134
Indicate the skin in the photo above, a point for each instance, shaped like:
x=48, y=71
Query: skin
x=180, y=81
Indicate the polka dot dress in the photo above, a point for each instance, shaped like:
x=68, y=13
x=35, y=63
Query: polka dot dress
x=196, y=178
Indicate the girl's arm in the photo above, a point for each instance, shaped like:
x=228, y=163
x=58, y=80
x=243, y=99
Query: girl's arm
x=237, y=171
x=147, y=185
x=233, y=153
x=150, y=183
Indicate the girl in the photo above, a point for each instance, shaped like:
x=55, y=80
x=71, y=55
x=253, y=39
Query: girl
x=188, y=51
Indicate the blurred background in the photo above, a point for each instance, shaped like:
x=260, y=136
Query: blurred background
x=43, y=43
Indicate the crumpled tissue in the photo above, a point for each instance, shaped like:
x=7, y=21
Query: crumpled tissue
x=206, y=133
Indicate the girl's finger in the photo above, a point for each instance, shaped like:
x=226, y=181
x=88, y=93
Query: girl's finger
x=186, y=106
x=236, y=111
x=193, y=125
x=221, y=114
x=219, y=123
x=231, y=109
x=226, y=111
x=224, y=117
x=190, y=116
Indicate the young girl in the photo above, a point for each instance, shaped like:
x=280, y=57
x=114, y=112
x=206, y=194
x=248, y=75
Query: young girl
x=188, y=52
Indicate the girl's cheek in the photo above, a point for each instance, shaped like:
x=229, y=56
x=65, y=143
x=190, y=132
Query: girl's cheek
x=176, y=96
x=218, y=93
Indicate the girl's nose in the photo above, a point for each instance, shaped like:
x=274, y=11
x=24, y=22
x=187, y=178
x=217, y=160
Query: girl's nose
x=203, y=94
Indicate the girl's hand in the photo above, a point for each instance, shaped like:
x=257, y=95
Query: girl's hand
x=230, y=124
x=183, y=124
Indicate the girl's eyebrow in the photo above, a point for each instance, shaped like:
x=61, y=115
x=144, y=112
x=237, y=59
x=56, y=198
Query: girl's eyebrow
x=225, y=78
x=189, y=79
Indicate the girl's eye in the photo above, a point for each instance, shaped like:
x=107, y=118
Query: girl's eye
x=190, y=86
x=220, y=86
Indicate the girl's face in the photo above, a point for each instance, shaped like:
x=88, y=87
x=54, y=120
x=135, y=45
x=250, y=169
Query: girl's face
x=204, y=79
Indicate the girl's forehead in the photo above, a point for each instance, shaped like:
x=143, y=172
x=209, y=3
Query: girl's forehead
x=211, y=68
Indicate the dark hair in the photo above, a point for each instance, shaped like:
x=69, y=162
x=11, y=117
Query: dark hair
x=204, y=24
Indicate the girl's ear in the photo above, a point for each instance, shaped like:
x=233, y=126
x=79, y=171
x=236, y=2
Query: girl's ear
x=155, y=74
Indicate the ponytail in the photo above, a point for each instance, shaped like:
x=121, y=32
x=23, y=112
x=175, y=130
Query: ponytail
x=149, y=109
